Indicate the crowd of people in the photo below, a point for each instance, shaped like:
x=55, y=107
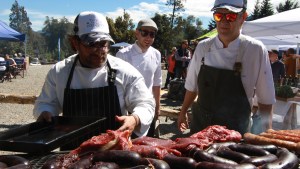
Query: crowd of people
x=223, y=73
x=285, y=67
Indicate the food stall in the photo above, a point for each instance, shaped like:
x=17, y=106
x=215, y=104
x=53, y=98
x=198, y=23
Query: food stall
x=214, y=147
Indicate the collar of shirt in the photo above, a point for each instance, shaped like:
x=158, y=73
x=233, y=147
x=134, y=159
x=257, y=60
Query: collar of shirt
x=234, y=43
x=137, y=48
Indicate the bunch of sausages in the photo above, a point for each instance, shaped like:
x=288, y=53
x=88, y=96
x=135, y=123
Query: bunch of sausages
x=14, y=162
x=227, y=155
x=289, y=139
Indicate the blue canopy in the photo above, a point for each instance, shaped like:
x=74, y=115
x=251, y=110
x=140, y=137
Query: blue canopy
x=7, y=33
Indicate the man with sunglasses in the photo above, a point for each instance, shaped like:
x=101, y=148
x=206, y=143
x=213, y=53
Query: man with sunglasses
x=225, y=73
x=93, y=83
x=147, y=60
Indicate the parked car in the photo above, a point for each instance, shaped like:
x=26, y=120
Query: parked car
x=35, y=61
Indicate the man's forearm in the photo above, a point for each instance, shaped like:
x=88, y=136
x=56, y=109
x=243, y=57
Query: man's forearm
x=266, y=114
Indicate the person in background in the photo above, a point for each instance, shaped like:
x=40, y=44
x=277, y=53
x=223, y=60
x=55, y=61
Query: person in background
x=278, y=69
x=171, y=67
x=182, y=57
x=225, y=73
x=11, y=67
x=92, y=83
x=2, y=67
x=147, y=60
x=290, y=63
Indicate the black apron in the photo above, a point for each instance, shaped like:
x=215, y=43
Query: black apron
x=221, y=99
x=92, y=102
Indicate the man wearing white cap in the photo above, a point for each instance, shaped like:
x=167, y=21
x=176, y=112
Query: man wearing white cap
x=147, y=60
x=225, y=73
x=95, y=84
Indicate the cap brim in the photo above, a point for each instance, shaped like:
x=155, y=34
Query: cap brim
x=96, y=37
x=230, y=8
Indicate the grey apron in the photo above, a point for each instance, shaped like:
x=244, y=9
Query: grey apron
x=92, y=102
x=221, y=99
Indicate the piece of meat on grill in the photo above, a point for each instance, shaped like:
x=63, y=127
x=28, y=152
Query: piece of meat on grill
x=152, y=141
x=217, y=133
x=157, y=152
x=111, y=140
x=185, y=144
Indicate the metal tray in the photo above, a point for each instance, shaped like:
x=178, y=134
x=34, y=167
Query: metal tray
x=42, y=137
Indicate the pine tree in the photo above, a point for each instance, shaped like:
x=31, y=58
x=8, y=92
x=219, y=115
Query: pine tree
x=255, y=13
x=288, y=5
x=266, y=9
x=177, y=7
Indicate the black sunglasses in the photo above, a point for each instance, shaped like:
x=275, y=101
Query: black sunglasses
x=145, y=33
x=102, y=44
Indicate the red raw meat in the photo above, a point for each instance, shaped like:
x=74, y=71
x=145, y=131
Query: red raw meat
x=217, y=133
x=152, y=141
x=157, y=152
x=111, y=140
x=185, y=144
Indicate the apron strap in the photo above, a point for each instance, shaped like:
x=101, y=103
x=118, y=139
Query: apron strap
x=238, y=67
x=111, y=75
x=71, y=72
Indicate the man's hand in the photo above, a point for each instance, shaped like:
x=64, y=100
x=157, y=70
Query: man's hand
x=45, y=117
x=129, y=122
x=182, y=122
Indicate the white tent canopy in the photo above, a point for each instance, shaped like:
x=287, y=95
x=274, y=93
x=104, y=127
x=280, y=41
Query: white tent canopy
x=279, y=29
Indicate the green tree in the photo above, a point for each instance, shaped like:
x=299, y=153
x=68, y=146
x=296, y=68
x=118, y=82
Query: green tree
x=122, y=30
x=211, y=25
x=288, y=5
x=177, y=7
x=266, y=9
x=256, y=12
x=53, y=30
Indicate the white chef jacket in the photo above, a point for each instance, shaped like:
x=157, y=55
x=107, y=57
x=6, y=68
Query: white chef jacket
x=148, y=63
x=133, y=94
x=256, y=70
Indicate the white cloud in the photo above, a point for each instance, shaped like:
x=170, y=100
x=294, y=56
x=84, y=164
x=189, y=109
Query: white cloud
x=198, y=8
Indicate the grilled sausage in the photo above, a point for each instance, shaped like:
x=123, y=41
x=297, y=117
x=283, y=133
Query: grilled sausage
x=268, y=147
x=286, y=160
x=180, y=162
x=211, y=165
x=156, y=163
x=121, y=157
x=258, y=161
x=226, y=144
x=105, y=165
x=226, y=152
x=84, y=162
x=205, y=156
x=248, y=149
x=15, y=161
x=255, y=139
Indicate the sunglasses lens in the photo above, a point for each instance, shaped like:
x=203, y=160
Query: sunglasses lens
x=231, y=17
x=146, y=33
x=218, y=17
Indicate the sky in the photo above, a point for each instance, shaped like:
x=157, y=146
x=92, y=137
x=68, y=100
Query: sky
x=37, y=10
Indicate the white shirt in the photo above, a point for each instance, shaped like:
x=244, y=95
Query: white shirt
x=148, y=63
x=133, y=94
x=256, y=70
x=2, y=68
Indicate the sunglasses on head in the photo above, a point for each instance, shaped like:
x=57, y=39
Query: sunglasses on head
x=230, y=17
x=145, y=33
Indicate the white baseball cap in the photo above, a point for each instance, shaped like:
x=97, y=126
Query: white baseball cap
x=92, y=27
x=232, y=5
